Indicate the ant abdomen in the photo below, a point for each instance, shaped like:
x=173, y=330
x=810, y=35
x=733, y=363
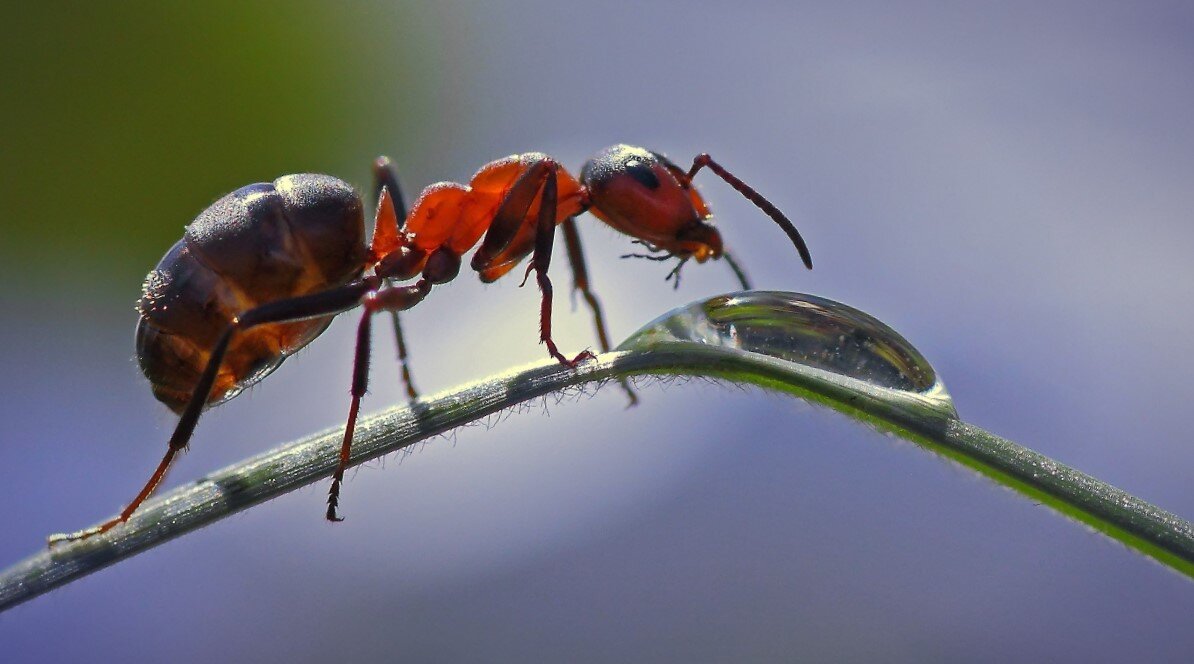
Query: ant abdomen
x=276, y=240
x=300, y=234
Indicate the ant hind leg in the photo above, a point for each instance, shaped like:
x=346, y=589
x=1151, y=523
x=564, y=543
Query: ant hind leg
x=393, y=299
x=328, y=302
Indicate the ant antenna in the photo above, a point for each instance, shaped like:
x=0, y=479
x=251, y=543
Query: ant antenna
x=702, y=160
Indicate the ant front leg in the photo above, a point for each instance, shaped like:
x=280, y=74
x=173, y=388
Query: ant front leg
x=326, y=303
x=385, y=178
x=509, y=219
x=580, y=279
x=580, y=282
x=545, y=231
x=393, y=299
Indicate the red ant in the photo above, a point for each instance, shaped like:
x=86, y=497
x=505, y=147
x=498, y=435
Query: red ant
x=262, y=272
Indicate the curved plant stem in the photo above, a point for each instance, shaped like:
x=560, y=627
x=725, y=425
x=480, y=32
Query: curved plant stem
x=1134, y=522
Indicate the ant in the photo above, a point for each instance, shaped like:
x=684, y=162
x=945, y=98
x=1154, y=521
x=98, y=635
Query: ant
x=262, y=271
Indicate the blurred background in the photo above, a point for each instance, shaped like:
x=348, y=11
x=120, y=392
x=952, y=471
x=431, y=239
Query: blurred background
x=1007, y=185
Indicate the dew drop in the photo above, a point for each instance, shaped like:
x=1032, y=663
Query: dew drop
x=806, y=330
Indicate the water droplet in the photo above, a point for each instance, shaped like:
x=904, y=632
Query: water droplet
x=806, y=330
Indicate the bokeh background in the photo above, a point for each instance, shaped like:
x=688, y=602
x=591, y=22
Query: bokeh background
x=1006, y=184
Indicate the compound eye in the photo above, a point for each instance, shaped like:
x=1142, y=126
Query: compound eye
x=641, y=172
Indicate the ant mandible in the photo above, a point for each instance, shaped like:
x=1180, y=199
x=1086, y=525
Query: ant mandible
x=262, y=271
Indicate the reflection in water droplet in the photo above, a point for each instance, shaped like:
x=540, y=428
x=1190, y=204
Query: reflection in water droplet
x=806, y=330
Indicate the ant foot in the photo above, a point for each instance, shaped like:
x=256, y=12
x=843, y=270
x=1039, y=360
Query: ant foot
x=581, y=357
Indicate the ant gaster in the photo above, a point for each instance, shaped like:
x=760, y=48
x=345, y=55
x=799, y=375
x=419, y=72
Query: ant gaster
x=262, y=272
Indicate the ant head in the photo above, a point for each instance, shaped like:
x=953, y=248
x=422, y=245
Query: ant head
x=645, y=196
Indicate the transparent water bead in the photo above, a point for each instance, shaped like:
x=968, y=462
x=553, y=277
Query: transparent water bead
x=806, y=330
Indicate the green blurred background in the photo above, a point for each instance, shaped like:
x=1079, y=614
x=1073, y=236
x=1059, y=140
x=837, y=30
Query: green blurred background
x=123, y=120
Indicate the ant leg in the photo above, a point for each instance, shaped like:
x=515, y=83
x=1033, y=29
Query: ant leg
x=512, y=212
x=325, y=303
x=394, y=299
x=545, y=231
x=580, y=279
x=360, y=383
x=411, y=392
x=580, y=282
x=385, y=179
x=704, y=160
x=385, y=176
x=504, y=226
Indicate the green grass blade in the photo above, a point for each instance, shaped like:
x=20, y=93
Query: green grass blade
x=676, y=344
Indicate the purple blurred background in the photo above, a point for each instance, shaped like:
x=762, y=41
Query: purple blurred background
x=1008, y=186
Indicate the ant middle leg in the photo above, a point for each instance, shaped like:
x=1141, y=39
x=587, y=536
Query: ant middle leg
x=392, y=299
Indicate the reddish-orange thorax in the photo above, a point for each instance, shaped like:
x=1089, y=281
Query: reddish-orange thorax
x=455, y=216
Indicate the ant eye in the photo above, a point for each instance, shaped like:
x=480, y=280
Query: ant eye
x=642, y=173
